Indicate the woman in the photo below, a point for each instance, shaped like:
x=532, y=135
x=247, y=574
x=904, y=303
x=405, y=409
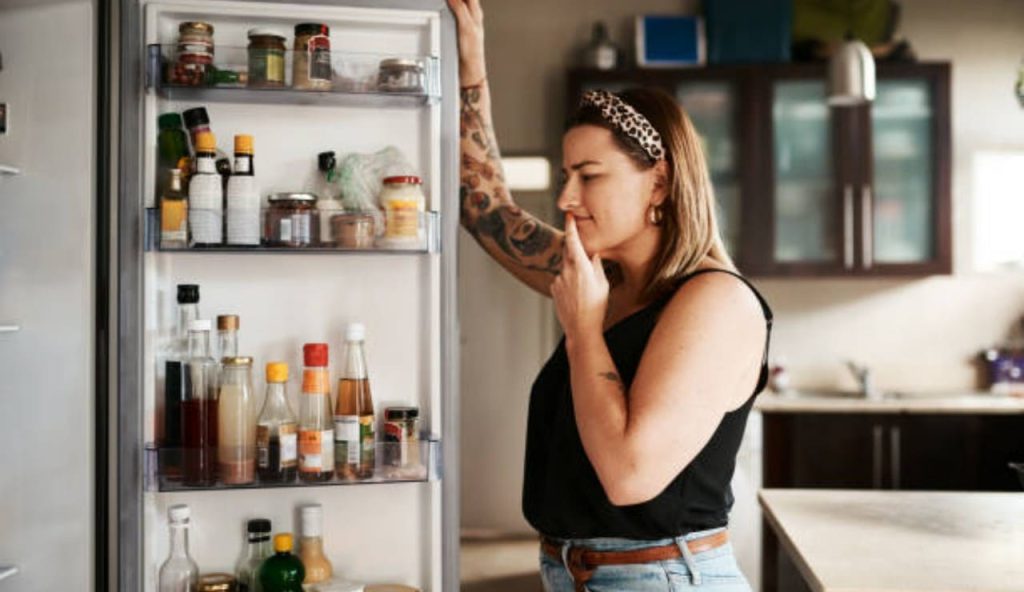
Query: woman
x=635, y=420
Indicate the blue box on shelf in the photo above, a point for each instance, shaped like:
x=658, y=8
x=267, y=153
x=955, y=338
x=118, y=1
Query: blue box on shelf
x=744, y=32
x=669, y=40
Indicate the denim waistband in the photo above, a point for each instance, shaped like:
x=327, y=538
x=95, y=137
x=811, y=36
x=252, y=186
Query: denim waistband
x=622, y=544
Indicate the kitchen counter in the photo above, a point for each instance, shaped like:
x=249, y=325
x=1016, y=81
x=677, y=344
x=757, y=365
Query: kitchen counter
x=952, y=403
x=881, y=541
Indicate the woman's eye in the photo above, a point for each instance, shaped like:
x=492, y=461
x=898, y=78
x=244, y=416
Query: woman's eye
x=587, y=177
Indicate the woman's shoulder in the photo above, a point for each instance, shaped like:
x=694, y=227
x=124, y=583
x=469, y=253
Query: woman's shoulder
x=713, y=289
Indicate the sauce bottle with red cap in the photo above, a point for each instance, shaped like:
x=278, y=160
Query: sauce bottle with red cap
x=316, y=419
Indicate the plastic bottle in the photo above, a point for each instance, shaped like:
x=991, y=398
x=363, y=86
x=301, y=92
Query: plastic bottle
x=311, y=545
x=179, y=573
x=276, y=430
x=259, y=548
x=206, y=195
x=316, y=425
x=355, y=442
x=282, y=571
x=243, y=197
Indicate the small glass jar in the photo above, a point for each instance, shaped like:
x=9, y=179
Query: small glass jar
x=194, y=56
x=400, y=75
x=354, y=230
x=401, y=437
x=403, y=203
x=311, y=68
x=266, y=59
x=236, y=433
x=292, y=220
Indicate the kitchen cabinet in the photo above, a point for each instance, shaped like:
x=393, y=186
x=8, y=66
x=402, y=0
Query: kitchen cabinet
x=808, y=190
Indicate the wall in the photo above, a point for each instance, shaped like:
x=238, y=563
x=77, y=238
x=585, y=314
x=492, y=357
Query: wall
x=916, y=334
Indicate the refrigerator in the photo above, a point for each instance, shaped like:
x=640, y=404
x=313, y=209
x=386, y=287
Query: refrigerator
x=392, y=529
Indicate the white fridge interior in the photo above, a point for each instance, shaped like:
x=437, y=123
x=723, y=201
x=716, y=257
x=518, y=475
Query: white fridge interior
x=374, y=532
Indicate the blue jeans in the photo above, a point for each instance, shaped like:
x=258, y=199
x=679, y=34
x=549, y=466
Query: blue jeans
x=714, y=570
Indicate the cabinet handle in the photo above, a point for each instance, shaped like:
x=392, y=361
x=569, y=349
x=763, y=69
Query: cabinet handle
x=867, y=226
x=848, y=226
x=876, y=464
x=894, y=455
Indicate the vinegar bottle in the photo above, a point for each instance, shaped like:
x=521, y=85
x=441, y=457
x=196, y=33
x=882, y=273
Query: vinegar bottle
x=199, y=409
x=316, y=430
x=354, y=453
x=276, y=430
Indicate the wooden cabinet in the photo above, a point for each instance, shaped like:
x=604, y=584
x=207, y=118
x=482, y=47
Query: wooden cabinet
x=808, y=190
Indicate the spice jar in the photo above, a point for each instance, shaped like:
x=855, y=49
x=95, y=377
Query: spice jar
x=401, y=437
x=266, y=59
x=354, y=230
x=195, y=54
x=292, y=220
x=216, y=582
x=400, y=75
x=403, y=203
x=311, y=68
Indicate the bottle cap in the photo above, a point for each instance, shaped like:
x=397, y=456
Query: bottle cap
x=243, y=144
x=179, y=514
x=199, y=325
x=169, y=121
x=277, y=372
x=237, y=361
x=206, y=142
x=403, y=179
x=188, y=294
x=315, y=354
x=401, y=413
x=326, y=161
x=311, y=29
x=196, y=117
x=312, y=518
x=227, y=322
x=258, y=525
x=283, y=542
x=355, y=332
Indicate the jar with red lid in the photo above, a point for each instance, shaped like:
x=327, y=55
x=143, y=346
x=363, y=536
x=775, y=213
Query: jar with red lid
x=311, y=64
x=404, y=205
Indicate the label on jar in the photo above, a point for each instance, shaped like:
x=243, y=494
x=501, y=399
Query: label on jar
x=403, y=219
x=319, y=52
x=289, y=446
x=172, y=220
x=366, y=438
x=397, y=448
x=266, y=66
x=284, y=230
x=315, y=455
x=346, y=438
x=300, y=228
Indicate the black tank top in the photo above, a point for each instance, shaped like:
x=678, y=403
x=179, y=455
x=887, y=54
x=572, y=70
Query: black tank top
x=562, y=496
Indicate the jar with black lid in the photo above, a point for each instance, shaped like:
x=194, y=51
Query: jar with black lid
x=266, y=59
x=292, y=220
x=311, y=68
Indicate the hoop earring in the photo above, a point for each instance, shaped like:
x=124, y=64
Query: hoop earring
x=655, y=215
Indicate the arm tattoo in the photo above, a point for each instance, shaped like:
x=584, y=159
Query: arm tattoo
x=614, y=377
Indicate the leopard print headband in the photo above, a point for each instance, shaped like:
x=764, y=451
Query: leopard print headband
x=627, y=120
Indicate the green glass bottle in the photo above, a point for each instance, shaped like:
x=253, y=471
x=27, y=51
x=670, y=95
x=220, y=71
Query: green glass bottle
x=282, y=571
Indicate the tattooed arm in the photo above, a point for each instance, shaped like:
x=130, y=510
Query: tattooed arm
x=527, y=247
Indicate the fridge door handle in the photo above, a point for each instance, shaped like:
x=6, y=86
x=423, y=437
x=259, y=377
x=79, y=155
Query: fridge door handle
x=9, y=328
x=7, y=571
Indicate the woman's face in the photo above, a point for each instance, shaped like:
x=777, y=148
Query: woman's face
x=607, y=193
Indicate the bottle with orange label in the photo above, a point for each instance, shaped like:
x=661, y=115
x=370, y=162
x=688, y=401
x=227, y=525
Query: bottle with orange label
x=316, y=420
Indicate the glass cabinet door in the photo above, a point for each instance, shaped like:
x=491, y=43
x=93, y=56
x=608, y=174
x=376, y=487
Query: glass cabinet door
x=901, y=208
x=711, y=106
x=805, y=206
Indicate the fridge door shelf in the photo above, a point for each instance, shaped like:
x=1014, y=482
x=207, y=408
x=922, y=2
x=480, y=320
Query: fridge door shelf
x=395, y=463
x=358, y=79
x=430, y=242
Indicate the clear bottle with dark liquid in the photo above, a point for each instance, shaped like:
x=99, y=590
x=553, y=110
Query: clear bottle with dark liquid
x=199, y=409
x=176, y=380
x=276, y=430
x=355, y=445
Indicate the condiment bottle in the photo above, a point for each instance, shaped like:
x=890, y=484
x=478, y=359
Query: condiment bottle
x=312, y=68
x=353, y=415
x=199, y=410
x=327, y=204
x=197, y=120
x=179, y=573
x=316, y=428
x=176, y=379
x=243, y=197
x=173, y=151
x=247, y=572
x=205, y=195
x=282, y=571
x=227, y=336
x=403, y=203
x=236, y=435
x=276, y=430
x=174, y=214
x=311, y=545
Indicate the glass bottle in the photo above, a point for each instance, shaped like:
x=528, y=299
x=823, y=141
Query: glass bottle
x=247, y=572
x=227, y=336
x=205, y=195
x=176, y=379
x=282, y=571
x=174, y=214
x=311, y=545
x=197, y=120
x=353, y=416
x=179, y=573
x=316, y=428
x=276, y=430
x=172, y=144
x=199, y=409
x=243, y=197
x=601, y=53
x=236, y=433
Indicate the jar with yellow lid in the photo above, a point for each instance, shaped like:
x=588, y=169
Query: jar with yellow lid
x=404, y=205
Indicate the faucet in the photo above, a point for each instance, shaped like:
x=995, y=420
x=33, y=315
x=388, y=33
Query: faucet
x=863, y=375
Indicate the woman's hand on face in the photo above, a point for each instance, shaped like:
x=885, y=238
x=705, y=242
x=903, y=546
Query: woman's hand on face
x=470, y=18
x=580, y=291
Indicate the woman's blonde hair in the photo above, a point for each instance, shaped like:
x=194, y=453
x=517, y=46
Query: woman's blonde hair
x=688, y=221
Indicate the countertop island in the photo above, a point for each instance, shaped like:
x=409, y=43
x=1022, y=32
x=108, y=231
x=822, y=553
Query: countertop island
x=888, y=541
x=979, y=403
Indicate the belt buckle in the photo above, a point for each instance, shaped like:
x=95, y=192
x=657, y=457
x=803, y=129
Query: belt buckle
x=577, y=566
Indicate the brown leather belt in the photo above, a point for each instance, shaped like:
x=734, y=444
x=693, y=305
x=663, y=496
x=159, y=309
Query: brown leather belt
x=583, y=561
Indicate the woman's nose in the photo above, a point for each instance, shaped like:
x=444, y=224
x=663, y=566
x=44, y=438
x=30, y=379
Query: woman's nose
x=568, y=198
